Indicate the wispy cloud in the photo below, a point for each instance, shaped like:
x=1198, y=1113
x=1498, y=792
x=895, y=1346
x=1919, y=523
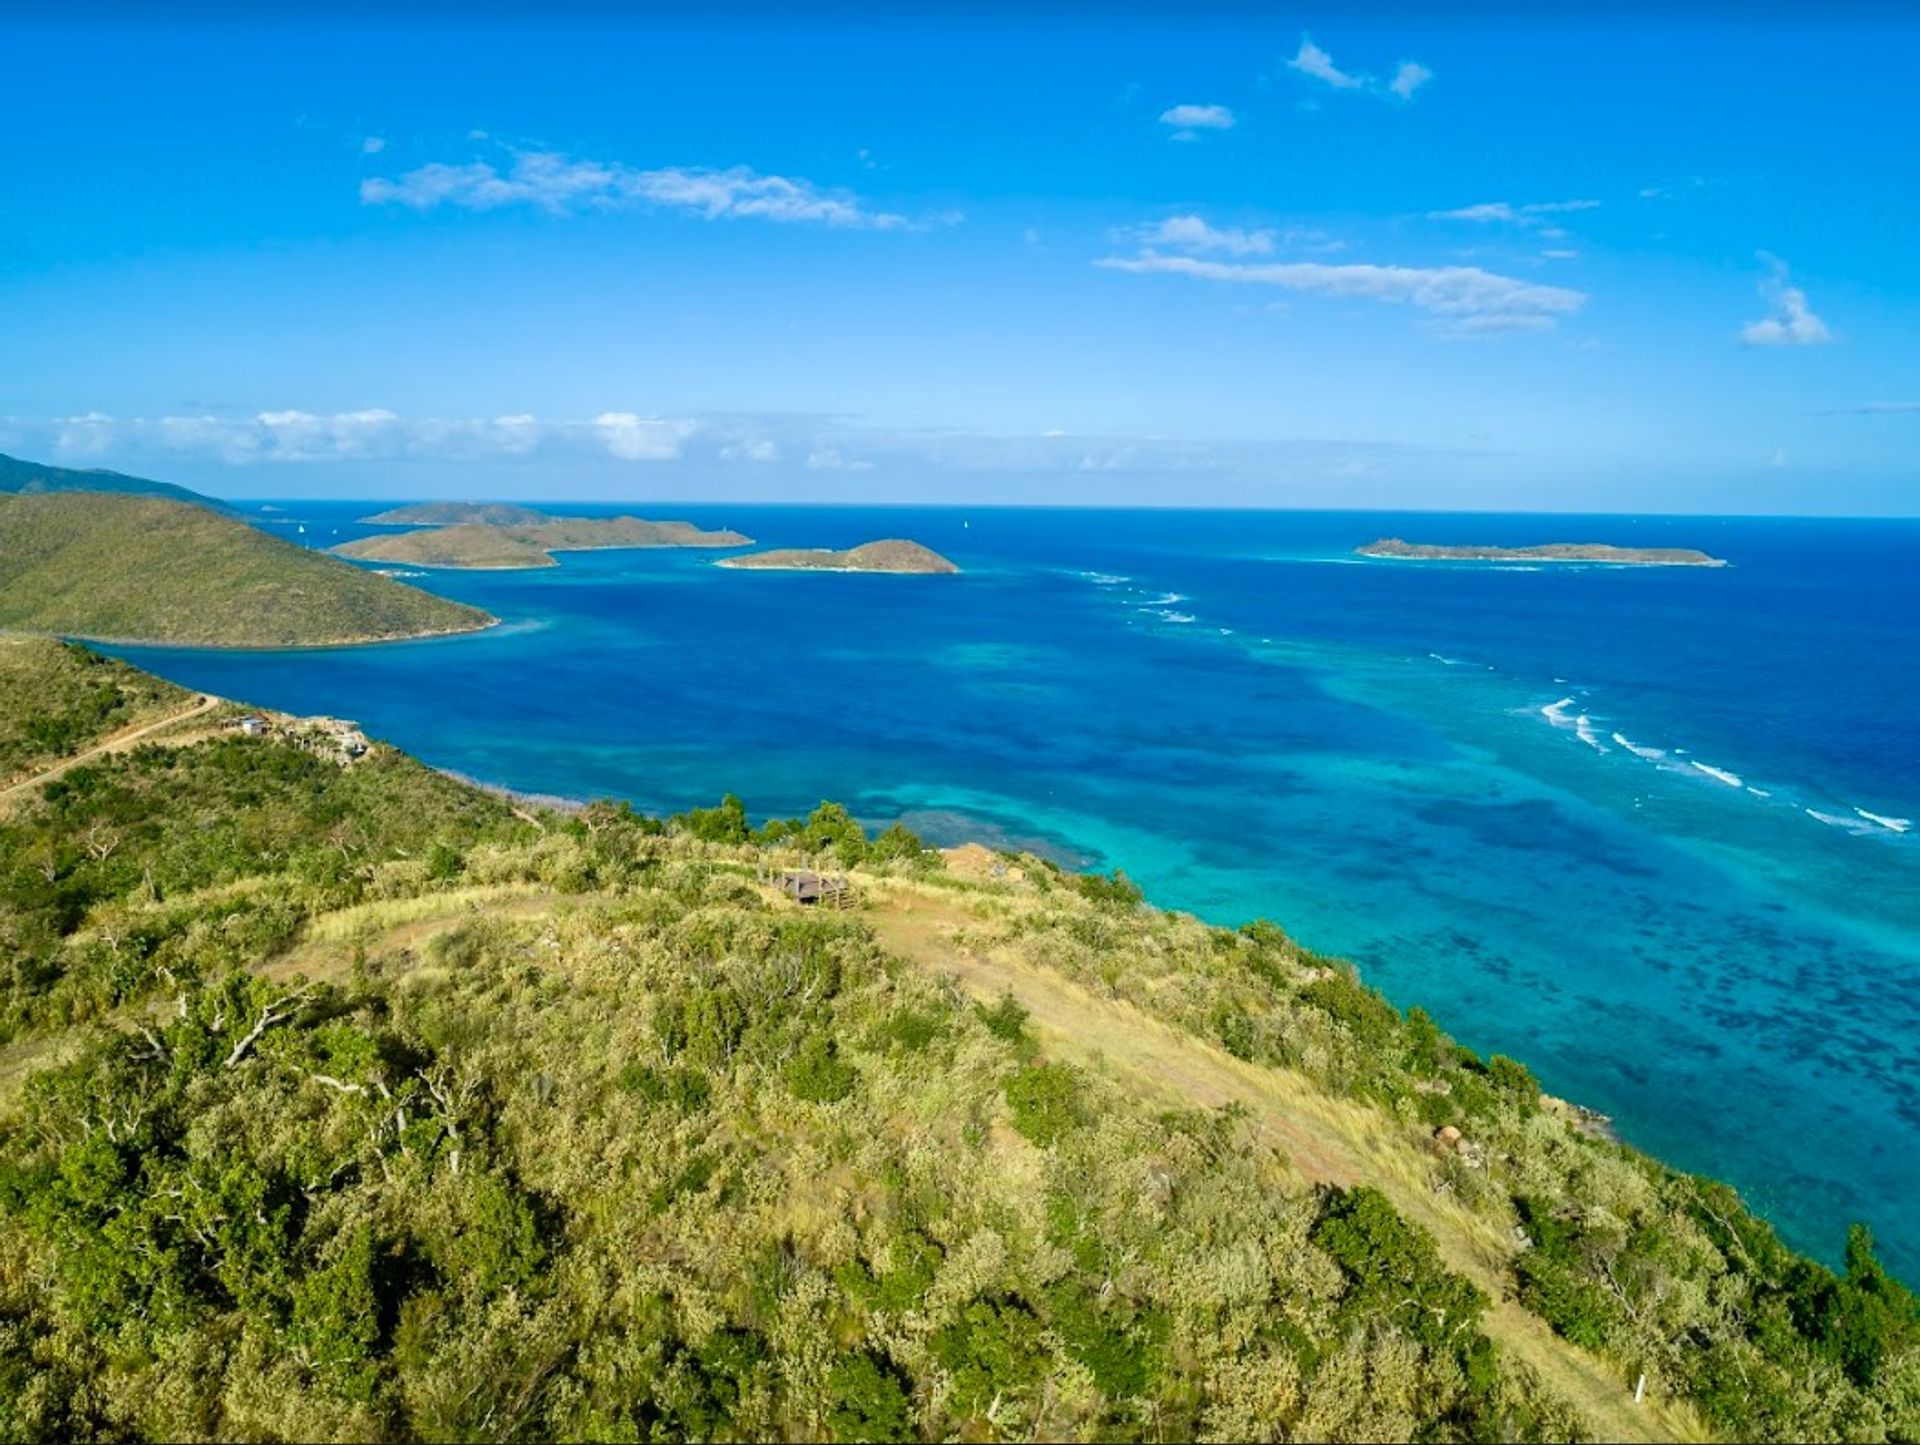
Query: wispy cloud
x=1192, y=233
x=1189, y=120
x=1467, y=299
x=1792, y=322
x=1311, y=61
x=1532, y=216
x=1874, y=408
x=1195, y=235
x=372, y=145
x=1408, y=78
x=561, y=185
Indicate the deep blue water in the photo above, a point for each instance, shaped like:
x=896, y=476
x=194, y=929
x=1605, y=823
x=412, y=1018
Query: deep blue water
x=1703, y=934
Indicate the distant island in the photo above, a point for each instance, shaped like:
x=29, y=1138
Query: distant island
x=133, y=568
x=1393, y=547
x=448, y=514
x=494, y=546
x=25, y=478
x=891, y=555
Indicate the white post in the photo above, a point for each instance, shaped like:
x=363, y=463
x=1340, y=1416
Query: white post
x=1641, y=1388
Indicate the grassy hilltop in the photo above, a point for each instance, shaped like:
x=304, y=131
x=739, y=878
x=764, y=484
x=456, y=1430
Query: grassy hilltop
x=350, y=1101
x=136, y=568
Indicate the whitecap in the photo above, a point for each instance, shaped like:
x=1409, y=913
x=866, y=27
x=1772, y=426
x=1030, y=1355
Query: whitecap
x=1556, y=712
x=1758, y=792
x=1720, y=775
x=1583, y=729
x=1834, y=820
x=1896, y=825
x=1652, y=755
x=1175, y=616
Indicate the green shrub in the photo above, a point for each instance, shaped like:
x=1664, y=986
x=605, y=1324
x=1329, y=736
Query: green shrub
x=1006, y=1020
x=992, y=1351
x=818, y=1074
x=869, y=1401
x=1045, y=1101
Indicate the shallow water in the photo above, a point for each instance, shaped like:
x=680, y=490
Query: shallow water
x=1640, y=827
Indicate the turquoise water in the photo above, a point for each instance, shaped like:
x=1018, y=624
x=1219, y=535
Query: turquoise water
x=1644, y=828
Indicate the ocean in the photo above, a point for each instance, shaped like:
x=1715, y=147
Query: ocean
x=1654, y=831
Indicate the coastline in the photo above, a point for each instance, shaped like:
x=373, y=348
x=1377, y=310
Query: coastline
x=376, y=641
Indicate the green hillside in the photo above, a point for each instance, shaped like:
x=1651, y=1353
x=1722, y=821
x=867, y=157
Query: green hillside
x=352, y=1102
x=78, y=698
x=22, y=476
x=152, y=569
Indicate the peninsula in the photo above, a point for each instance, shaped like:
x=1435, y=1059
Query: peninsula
x=891, y=555
x=488, y=546
x=447, y=514
x=132, y=568
x=1393, y=547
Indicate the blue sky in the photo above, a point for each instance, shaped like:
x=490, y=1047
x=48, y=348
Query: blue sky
x=1285, y=257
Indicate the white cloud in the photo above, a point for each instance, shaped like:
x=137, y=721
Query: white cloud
x=634, y=438
x=558, y=184
x=1792, y=322
x=1310, y=59
x=1457, y=293
x=829, y=447
x=1560, y=255
x=1191, y=233
x=1408, y=78
x=829, y=459
x=1188, y=120
x=91, y=434
x=1194, y=234
x=739, y=191
x=373, y=145
x=1504, y=211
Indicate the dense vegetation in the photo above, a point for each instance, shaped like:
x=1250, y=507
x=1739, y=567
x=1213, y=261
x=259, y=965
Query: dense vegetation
x=491, y=545
x=23, y=476
x=151, y=569
x=366, y=1106
x=77, y=697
